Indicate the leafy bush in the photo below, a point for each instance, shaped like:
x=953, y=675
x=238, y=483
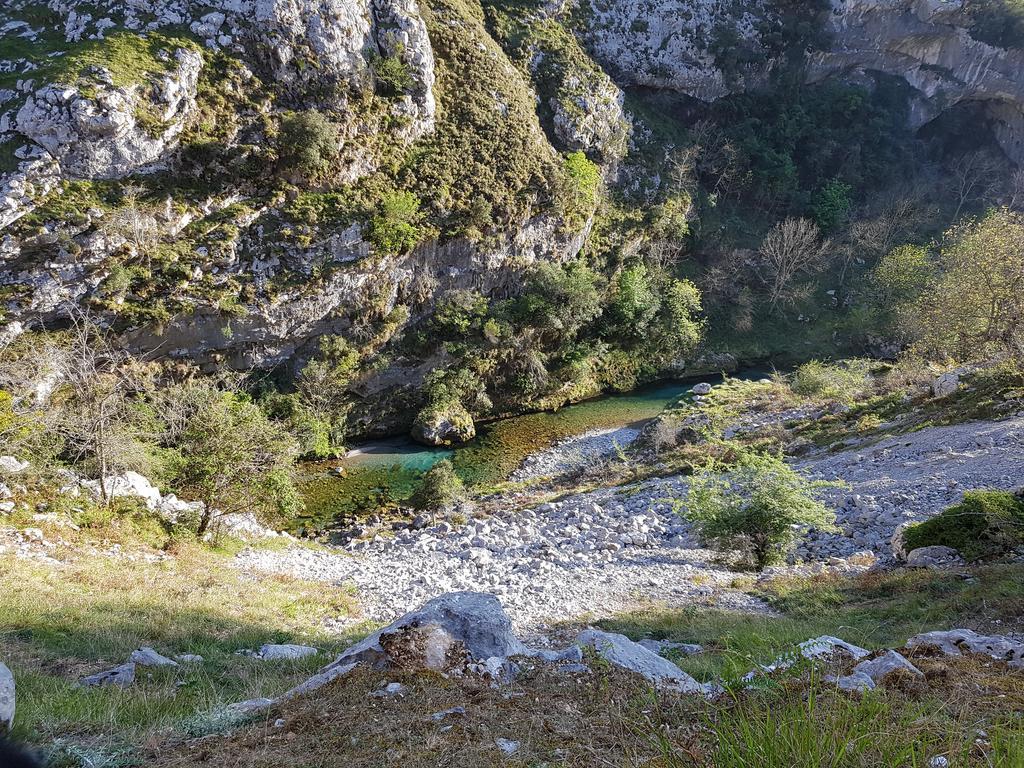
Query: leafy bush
x=308, y=143
x=759, y=505
x=974, y=307
x=984, y=524
x=231, y=456
x=583, y=178
x=843, y=382
x=395, y=227
x=901, y=275
x=832, y=206
x=635, y=302
x=440, y=488
x=391, y=73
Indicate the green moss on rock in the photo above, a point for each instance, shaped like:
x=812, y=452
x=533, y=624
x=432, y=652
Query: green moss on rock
x=984, y=524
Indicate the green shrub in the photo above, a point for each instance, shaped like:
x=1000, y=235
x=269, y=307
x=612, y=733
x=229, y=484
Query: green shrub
x=759, y=505
x=395, y=227
x=832, y=207
x=984, y=524
x=843, y=382
x=391, y=73
x=583, y=178
x=308, y=144
x=440, y=488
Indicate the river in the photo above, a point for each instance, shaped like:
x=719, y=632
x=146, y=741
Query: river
x=384, y=473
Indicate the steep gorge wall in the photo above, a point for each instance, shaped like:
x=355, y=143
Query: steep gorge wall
x=690, y=46
x=90, y=118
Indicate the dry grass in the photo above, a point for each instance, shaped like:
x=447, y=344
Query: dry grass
x=612, y=718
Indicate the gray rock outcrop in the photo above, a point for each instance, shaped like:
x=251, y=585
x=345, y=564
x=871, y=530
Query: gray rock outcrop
x=868, y=674
x=925, y=43
x=447, y=426
x=101, y=135
x=121, y=676
x=671, y=45
x=934, y=557
x=955, y=642
x=623, y=652
x=444, y=634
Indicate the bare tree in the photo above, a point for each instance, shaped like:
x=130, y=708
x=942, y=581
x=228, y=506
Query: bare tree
x=717, y=158
x=791, y=248
x=975, y=177
x=136, y=222
x=90, y=410
x=893, y=219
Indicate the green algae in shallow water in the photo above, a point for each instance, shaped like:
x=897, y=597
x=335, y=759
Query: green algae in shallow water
x=384, y=474
x=360, y=492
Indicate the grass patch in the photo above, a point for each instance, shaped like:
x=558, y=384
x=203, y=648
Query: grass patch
x=874, y=611
x=60, y=622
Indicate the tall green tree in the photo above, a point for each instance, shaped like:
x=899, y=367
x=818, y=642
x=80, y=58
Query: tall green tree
x=232, y=457
x=974, y=306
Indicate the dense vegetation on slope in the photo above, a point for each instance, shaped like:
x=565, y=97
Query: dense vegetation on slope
x=785, y=222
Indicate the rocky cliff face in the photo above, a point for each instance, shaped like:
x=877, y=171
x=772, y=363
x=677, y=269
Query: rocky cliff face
x=97, y=96
x=690, y=46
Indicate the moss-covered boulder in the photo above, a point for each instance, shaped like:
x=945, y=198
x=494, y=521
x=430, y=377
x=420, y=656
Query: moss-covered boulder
x=984, y=524
x=445, y=424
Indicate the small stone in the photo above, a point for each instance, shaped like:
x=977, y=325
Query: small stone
x=147, y=657
x=122, y=676
x=454, y=711
x=391, y=690
x=507, y=746
x=285, y=652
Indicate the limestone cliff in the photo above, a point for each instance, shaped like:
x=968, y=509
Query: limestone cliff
x=472, y=107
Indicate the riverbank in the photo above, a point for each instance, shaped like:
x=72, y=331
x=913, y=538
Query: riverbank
x=377, y=476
